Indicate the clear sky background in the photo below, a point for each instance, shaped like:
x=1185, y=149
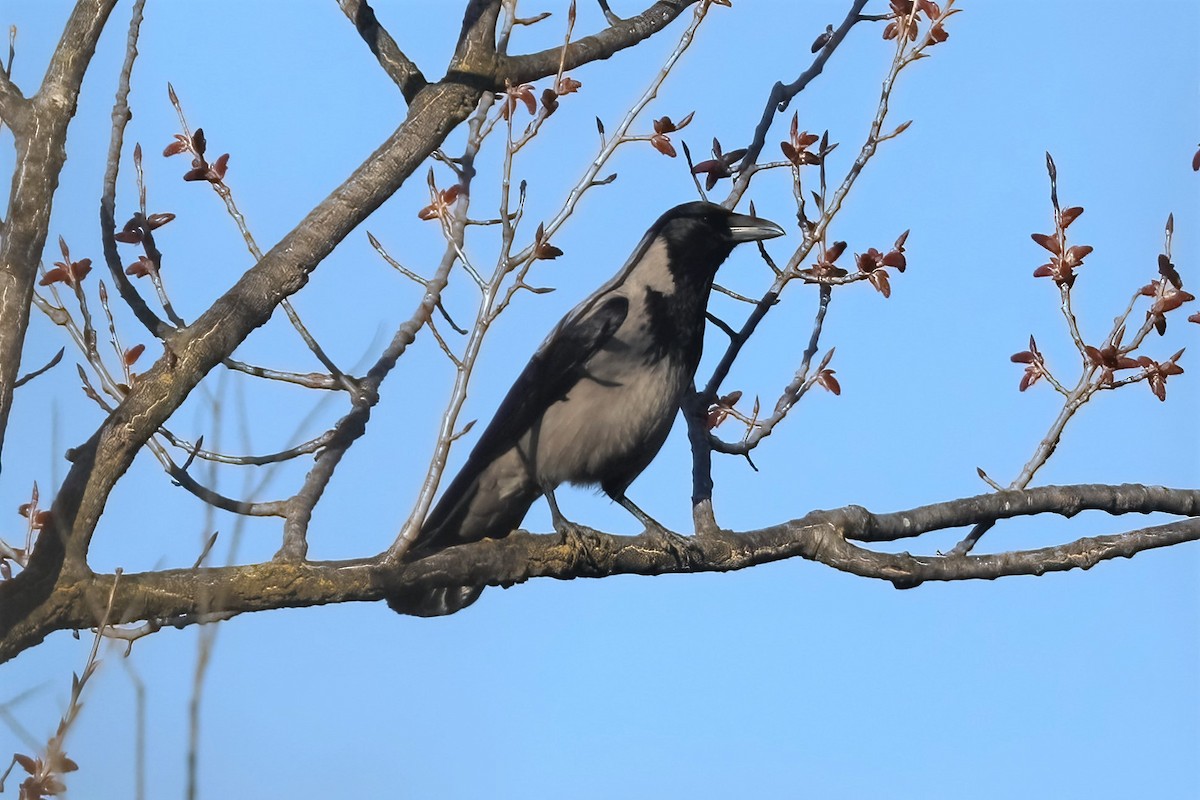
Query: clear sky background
x=790, y=680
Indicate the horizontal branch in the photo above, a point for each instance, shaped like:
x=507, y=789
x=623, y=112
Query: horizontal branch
x=183, y=594
x=600, y=46
x=1066, y=501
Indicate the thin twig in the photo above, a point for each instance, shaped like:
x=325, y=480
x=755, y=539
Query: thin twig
x=51, y=364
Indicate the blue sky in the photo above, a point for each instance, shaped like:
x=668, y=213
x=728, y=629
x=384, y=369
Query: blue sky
x=785, y=680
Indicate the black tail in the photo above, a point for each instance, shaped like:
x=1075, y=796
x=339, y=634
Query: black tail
x=472, y=508
x=434, y=602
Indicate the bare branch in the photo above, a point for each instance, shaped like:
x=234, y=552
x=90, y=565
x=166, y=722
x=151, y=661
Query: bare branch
x=108, y=223
x=309, y=380
x=179, y=595
x=814, y=235
x=194, y=451
x=782, y=94
x=609, y=16
x=223, y=191
x=12, y=102
x=354, y=424
x=475, y=53
x=395, y=63
x=103, y=459
x=183, y=478
x=1098, y=364
x=40, y=157
x=792, y=393
x=600, y=46
x=53, y=362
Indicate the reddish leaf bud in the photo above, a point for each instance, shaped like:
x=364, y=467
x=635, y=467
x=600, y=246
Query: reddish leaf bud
x=217, y=173
x=1069, y=215
x=828, y=382
x=156, y=221
x=663, y=145
x=1048, y=242
x=1023, y=357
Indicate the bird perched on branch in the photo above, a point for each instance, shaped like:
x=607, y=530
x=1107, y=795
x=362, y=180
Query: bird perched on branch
x=595, y=403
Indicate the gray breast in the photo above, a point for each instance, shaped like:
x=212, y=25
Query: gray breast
x=615, y=419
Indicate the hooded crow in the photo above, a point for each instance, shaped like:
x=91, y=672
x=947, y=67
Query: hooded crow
x=595, y=403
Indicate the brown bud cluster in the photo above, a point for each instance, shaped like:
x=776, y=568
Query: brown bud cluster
x=515, y=95
x=67, y=271
x=542, y=249
x=906, y=15
x=720, y=410
x=565, y=85
x=719, y=166
x=795, y=149
x=441, y=204
x=1034, y=364
x=1064, y=260
x=663, y=126
x=201, y=169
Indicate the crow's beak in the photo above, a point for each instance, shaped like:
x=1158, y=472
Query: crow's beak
x=746, y=228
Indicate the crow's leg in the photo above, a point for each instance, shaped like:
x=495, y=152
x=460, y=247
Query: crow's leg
x=678, y=546
x=580, y=539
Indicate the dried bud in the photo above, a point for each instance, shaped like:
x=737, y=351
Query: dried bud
x=822, y=40
x=1168, y=271
x=827, y=381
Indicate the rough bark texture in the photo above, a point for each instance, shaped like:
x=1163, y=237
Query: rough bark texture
x=822, y=536
x=39, y=126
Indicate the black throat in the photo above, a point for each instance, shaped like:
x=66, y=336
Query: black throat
x=676, y=321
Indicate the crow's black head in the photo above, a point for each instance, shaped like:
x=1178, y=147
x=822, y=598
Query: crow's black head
x=671, y=274
x=700, y=236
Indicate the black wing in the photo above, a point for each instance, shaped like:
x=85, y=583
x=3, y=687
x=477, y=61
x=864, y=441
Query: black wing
x=548, y=377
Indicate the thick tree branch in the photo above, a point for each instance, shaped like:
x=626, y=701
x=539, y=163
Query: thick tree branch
x=182, y=596
x=193, y=351
x=398, y=66
x=475, y=53
x=250, y=302
x=12, y=102
x=39, y=126
x=607, y=43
